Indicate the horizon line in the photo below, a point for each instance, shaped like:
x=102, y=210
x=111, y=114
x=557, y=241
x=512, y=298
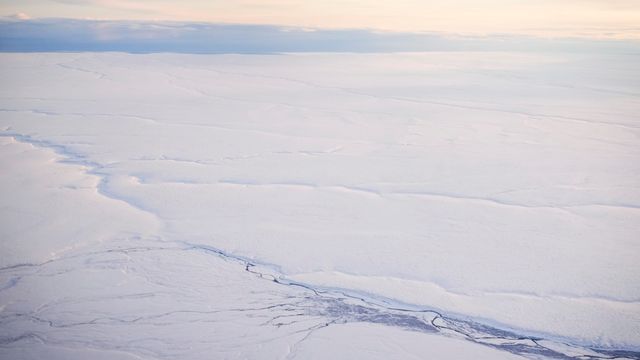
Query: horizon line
x=174, y=36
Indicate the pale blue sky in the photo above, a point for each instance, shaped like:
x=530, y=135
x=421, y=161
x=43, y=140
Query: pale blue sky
x=618, y=19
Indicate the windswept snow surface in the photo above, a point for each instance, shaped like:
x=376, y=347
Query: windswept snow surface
x=480, y=205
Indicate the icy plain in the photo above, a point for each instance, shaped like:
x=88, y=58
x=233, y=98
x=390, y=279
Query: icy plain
x=417, y=205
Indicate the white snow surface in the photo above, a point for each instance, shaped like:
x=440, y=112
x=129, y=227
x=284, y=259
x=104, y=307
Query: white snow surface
x=501, y=188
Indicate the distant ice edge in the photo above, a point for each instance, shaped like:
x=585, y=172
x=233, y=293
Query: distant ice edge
x=340, y=306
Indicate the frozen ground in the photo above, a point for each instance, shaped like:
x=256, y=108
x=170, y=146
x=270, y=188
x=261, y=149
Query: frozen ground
x=264, y=206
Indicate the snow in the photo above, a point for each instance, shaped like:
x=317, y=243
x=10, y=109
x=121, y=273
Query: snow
x=48, y=208
x=351, y=341
x=496, y=188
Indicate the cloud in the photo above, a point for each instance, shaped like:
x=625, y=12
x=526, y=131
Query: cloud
x=20, y=16
x=555, y=18
x=18, y=34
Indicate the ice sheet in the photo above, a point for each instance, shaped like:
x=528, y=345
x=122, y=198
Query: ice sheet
x=495, y=187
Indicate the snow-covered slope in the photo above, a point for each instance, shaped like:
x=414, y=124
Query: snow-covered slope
x=496, y=188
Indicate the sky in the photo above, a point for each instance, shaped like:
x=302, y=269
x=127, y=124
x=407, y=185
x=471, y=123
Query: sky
x=596, y=19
